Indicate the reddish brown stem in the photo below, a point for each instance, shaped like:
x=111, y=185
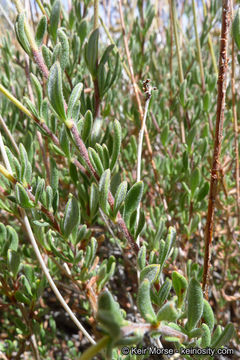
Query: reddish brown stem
x=223, y=63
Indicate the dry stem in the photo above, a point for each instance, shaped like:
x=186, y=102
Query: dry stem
x=223, y=63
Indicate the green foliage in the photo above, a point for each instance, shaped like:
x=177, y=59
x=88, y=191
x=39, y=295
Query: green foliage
x=119, y=248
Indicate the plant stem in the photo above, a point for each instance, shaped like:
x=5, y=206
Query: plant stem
x=180, y=69
x=140, y=109
x=96, y=12
x=139, y=150
x=223, y=63
x=198, y=46
x=235, y=123
x=41, y=7
x=210, y=44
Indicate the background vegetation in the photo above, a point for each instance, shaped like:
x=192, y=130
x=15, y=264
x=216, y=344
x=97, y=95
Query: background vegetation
x=109, y=212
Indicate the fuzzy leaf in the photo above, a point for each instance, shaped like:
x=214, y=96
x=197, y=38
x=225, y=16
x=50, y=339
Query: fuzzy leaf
x=71, y=216
x=55, y=93
x=117, y=139
x=22, y=197
x=91, y=53
x=224, y=337
x=133, y=199
x=208, y=315
x=180, y=286
x=104, y=186
x=54, y=19
x=13, y=259
x=168, y=312
x=164, y=291
x=87, y=125
x=144, y=302
x=41, y=29
x=120, y=196
x=151, y=273
x=195, y=304
x=74, y=97
x=64, y=57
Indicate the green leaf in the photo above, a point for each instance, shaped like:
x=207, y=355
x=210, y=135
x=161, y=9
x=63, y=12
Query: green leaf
x=203, y=191
x=41, y=29
x=54, y=19
x=109, y=314
x=106, y=53
x=180, y=285
x=208, y=315
x=117, y=139
x=224, y=337
x=13, y=259
x=120, y=197
x=54, y=89
x=164, y=291
x=141, y=224
x=133, y=199
x=167, y=246
x=64, y=57
x=74, y=97
x=13, y=238
x=104, y=186
x=21, y=297
x=22, y=197
x=168, y=312
x=96, y=161
x=194, y=180
x=91, y=53
x=144, y=302
x=71, y=216
x=151, y=273
x=38, y=89
x=94, y=199
x=141, y=259
x=21, y=35
x=195, y=304
x=39, y=189
x=206, y=336
x=64, y=141
x=54, y=176
x=87, y=125
x=47, y=55
x=236, y=28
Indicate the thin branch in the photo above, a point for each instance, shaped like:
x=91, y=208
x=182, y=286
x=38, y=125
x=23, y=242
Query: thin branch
x=140, y=109
x=235, y=124
x=180, y=68
x=148, y=92
x=223, y=63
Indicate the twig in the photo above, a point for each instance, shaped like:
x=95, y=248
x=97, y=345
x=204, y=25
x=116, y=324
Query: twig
x=235, y=121
x=140, y=109
x=7, y=131
x=198, y=46
x=96, y=8
x=148, y=93
x=223, y=63
x=180, y=68
x=210, y=44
